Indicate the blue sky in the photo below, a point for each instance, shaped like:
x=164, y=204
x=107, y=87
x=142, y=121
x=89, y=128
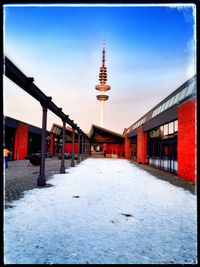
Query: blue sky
x=150, y=51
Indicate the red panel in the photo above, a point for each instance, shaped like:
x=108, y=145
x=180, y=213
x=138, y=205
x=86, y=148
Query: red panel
x=127, y=149
x=114, y=149
x=141, y=145
x=187, y=140
x=104, y=147
x=117, y=149
x=21, y=141
x=51, y=142
x=144, y=147
x=68, y=148
x=121, y=149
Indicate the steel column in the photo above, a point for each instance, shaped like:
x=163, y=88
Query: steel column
x=82, y=147
x=88, y=148
x=78, y=148
x=85, y=147
x=73, y=137
x=62, y=167
x=41, y=181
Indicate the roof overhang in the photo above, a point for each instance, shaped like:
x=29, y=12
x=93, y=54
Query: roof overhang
x=99, y=134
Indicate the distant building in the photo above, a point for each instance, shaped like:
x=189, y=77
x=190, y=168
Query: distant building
x=56, y=140
x=22, y=139
x=106, y=143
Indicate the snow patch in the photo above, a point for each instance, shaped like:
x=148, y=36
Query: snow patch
x=103, y=211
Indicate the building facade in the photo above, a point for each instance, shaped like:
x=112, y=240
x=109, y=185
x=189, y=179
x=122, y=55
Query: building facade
x=106, y=143
x=165, y=137
x=56, y=140
x=21, y=139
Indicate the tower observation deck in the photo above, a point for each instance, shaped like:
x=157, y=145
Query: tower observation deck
x=102, y=87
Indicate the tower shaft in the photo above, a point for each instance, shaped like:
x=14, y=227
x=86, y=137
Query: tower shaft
x=102, y=87
x=102, y=113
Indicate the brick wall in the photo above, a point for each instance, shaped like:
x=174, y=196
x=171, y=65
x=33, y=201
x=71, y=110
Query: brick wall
x=187, y=140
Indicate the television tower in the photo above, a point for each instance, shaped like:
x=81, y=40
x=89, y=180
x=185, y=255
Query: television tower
x=102, y=87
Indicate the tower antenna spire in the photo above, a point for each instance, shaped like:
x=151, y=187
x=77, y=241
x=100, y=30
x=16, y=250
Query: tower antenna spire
x=103, y=57
x=102, y=87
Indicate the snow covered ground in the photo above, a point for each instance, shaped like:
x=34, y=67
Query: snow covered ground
x=102, y=211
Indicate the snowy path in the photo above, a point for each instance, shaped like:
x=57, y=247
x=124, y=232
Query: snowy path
x=50, y=225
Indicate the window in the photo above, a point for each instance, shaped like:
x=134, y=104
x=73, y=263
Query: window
x=172, y=101
x=171, y=130
x=190, y=88
x=183, y=93
x=167, y=104
x=162, y=146
x=161, y=130
x=176, y=126
x=171, y=127
x=154, y=133
x=143, y=120
x=159, y=108
x=155, y=112
x=57, y=131
x=177, y=97
x=165, y=131
x=156, y=150
x=162, y=107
